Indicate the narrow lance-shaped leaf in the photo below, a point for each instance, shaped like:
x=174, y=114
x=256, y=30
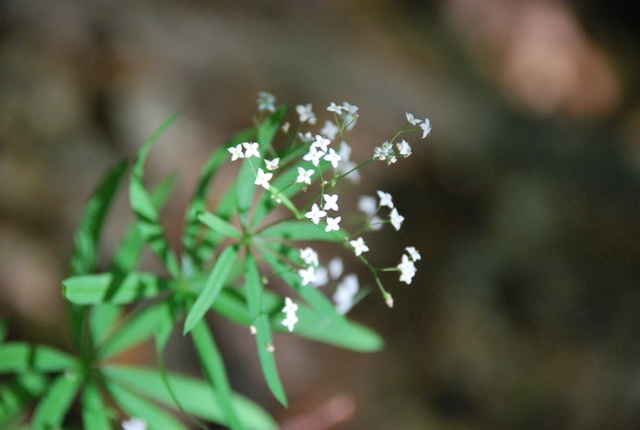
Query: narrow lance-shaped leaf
x=94, y=411
x=195, y=395
x=55, y=404
x=127, y=255
x=112, y=288
x=20, y=357
x=137, y=406
x=253, y=285
x=219, y=225
x=215, y=371
x=19, y=393
x=144, y=208
x=212, y=288
x=267, y=360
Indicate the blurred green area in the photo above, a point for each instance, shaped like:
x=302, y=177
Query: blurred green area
x=524, y=201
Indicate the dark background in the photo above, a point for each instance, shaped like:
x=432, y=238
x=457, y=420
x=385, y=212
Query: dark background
x=524, y=201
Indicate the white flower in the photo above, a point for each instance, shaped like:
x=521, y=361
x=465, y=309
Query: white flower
x=266, y=102
x=253, y=329
x=407, y=269
x=330, y=202
x=304, y=175
x=322, y=277
x=315, y=214
x=306, y=114
x=306, y=138
x=321, y=142
x=330, y=130
x=396, y=219
x=333, y=157
x=335, y=267
x=345, y=292
x=335, y=108
x=368, y=205
x=352, y=109
x=426, y=128
x=251, y=149
x=332, y=224
x=385, y=199
x=413, y=253
x=313, y=155
x=285, y=127
x=403, y=148
x=134, y=424
x=359, y=246
x=236, y=152
x=389, y=300
x=263, y=179
x=412, y=120
x=289, y=306
x=385, y=153
x=290, y=309
x=272, y=164
x=308, y=275
x=289, y=322
x=309, y=256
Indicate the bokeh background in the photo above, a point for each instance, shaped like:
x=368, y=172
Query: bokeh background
x=524, y=201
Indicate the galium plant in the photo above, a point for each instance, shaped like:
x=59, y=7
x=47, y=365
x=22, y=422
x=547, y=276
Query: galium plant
x=231, y=256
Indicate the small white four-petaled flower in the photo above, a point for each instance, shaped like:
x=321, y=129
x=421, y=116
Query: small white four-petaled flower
x=306, y=113
x=304, y=175
x=385, y=199
x=359, y=246
x=396, y=219
x=330, y=202
x=263, y=179
x=272, y=164
x=251, y=149
x=236, y=152
x=333, y=157
x=315, y=214
x=332, y=224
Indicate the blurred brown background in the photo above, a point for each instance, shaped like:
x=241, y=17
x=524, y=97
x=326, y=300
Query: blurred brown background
x=524, y=201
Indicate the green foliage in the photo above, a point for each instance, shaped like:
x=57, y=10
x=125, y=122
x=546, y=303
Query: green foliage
x=227, y=254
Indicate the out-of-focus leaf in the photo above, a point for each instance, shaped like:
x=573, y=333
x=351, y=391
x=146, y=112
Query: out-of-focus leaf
x=253, y=285
x=55, y=404
x=212, y=288
x=267, y=359
x=94, y=411
x=112, y=288
x=85, y=249
x=127, y=255
x=144, y=208
x=301, y=230
x=214, y=369
x=20, y=357
x=195, y=395
x=137, y=406
x=17, y=394
x=101, y=319
x=137, y=327
x=219, y=225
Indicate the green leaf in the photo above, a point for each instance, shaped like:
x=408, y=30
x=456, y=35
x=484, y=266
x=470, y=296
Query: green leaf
x=101, y=321
x=301, y=230
x=94, y=411
x=336, y=331
x=21, y=357
x=137, y=327
x=16, y=395
x=195, y=395
x=127, y=255
x=193, y=247
x=112, y=288
x=253, y=285
x=55, y=404
x=137, y=406
x=144, y=208
x=212, y=288
x=267, y=359
x=216, y=374
x=219, y=225
x=85, y=250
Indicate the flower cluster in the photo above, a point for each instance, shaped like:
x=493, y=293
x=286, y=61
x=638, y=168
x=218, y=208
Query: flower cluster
x=322, y=160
